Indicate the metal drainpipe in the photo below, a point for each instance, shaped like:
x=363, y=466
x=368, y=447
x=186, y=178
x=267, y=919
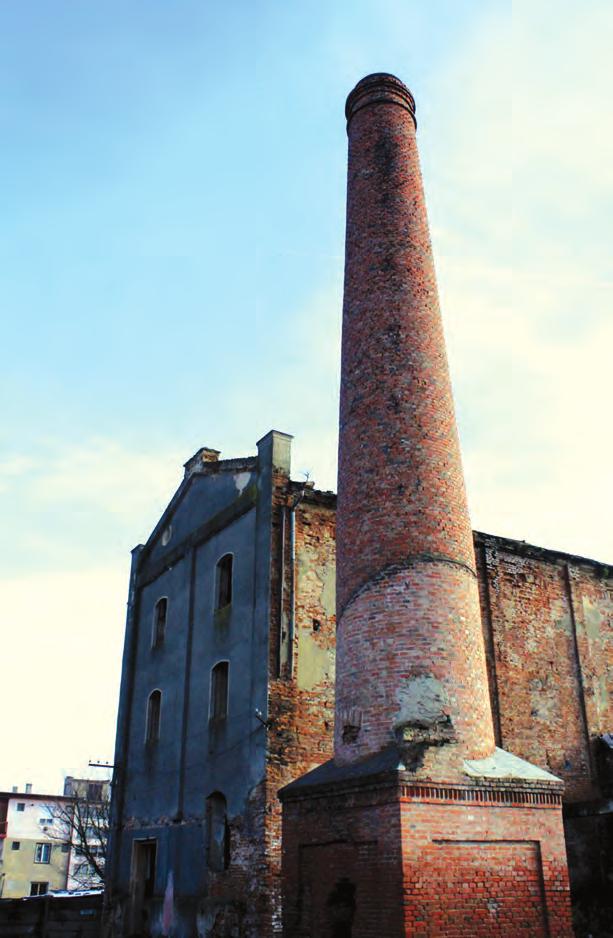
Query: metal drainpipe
x=292, y=599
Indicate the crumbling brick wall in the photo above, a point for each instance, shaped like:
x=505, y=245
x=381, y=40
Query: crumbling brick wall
x=550, y=663
x=547, y=622
x=301, y=690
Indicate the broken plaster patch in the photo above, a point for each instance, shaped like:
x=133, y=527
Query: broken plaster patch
x=241, y=481
x=422, y=701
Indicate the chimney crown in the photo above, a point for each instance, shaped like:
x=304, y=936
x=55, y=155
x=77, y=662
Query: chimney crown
x=379, y=88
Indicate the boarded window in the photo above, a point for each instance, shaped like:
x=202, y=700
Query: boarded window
x=154, y=710
x=224, y=581
x=218, y=839
x=219, y=691
x=159, y=622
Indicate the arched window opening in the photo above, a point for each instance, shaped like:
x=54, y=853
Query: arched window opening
x=154, y=711
x=219, y=691
x=224, y=581
x=160, y=613
x=218, y=833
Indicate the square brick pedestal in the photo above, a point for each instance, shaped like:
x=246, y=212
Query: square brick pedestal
x=370, y=853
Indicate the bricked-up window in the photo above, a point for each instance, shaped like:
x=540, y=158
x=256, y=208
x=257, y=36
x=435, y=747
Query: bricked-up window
x=219, y=691
x=224, y=581
x=160, y=613
x=154, y=712
x=218, y=835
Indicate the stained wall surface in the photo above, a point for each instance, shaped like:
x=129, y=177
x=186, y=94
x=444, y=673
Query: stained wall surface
x=163, y=787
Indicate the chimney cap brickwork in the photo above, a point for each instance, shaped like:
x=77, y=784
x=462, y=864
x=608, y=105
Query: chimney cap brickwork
x=379, y=88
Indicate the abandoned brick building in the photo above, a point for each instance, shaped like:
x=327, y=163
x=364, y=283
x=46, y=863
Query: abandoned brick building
x=228, y=684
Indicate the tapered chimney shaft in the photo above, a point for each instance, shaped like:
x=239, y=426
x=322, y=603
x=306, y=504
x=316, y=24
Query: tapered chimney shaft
x=418, y=808
x=411, y=664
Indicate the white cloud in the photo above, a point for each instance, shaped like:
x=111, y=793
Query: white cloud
x=108, y=475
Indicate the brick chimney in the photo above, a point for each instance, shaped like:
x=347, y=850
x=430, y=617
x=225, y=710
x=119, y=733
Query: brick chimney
x=410, y=656
x=419, y=825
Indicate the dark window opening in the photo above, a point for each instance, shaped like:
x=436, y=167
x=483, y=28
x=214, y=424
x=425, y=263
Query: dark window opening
x=341, y=909
x=316, y=625
x=159, y=621
x=224, y=581
x=94, y=791
x=38, y=889
x=142, y=886
x=154, y=709
x=16, y=845
x=350, y=733
x=21, y=805
x=218, y=834
x=219, y=691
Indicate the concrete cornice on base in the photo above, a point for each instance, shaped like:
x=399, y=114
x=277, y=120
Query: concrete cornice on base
x=505, y=765
x=516, y=781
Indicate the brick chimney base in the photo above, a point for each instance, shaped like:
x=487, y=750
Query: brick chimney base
x=382, y=857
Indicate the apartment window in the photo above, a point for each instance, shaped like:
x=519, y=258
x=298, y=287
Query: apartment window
x=224, y=581
x=21, y=805
x=218, y=835
x=38, y=889
x=154, y=710
x=16, y=845
x=159, y=622
x=94, y=791
x=219, y=691
x=42, y=853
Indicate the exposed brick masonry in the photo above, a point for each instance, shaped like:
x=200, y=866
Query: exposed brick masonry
x=407, y=593
x=369, y=848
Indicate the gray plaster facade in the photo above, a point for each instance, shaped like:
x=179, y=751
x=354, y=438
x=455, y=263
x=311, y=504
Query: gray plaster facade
x=161, y=787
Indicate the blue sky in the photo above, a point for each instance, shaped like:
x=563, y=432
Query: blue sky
x=171, y=242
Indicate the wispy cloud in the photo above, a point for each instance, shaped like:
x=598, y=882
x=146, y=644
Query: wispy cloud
x=521, y=236
x=74, y=504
